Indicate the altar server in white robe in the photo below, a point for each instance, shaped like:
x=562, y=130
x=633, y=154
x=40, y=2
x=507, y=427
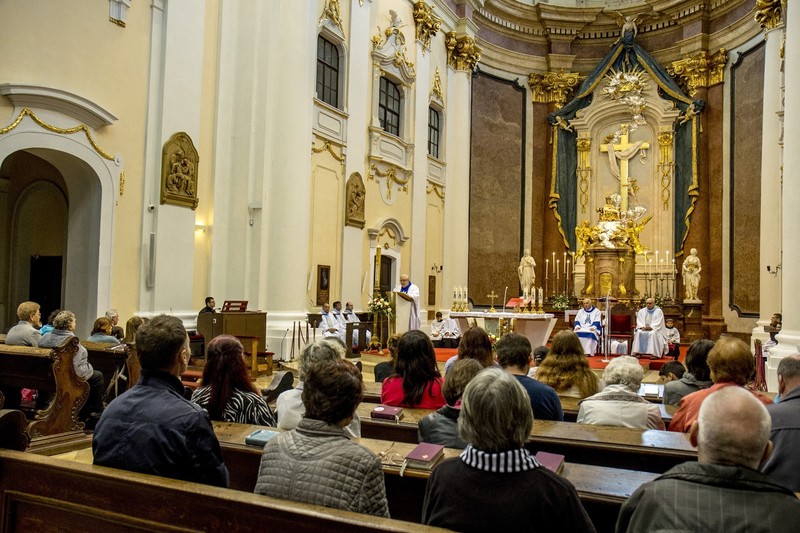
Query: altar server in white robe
x=413, y=291
x=588, y=327
x=329, y=325
x=351, y=316
x=445, y=332
x=649, y=337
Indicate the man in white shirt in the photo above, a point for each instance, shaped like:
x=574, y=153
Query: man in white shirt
x=588, y=327
x=411, y=290
x=328, y=323
x=649, y=337
x=445, y=332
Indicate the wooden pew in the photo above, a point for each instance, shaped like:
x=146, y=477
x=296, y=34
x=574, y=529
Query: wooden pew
x=602, y=489
x=43, y=493
x=646, y=450
x=49, y=371
x=112, y=360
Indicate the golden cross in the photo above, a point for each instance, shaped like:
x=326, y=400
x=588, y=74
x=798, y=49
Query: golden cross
x=492, y=295
x=623, y=163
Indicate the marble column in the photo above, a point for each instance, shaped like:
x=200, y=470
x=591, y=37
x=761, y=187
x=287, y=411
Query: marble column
x=769, y=284
x=422, y=87
x=789, y=337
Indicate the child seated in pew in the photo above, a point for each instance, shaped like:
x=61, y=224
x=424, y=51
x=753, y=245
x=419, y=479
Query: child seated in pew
x=316, y=462
x=671, y=371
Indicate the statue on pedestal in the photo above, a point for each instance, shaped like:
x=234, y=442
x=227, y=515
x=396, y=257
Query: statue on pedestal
x=527, y=274
x=691, y=275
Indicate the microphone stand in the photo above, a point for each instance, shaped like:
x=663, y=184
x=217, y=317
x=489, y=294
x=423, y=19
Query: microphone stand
x=607, y=335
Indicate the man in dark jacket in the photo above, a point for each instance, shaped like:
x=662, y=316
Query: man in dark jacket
x=723, y=491
x=783, y=465
x=152, y=428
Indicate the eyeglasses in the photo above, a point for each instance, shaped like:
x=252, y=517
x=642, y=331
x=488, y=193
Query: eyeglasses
x=391, y=459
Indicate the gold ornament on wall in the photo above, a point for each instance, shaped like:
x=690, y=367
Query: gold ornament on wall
x=179, y=162
x=665, y=165
x=553, y=87
x=699, y=71
x=768, y=13
x=427, y=24
x=393, y=45
x=327, y=146
x=436, y=87
x=584, y=170
x=462, y=52
x=356, y=197
x=332, y=12
x=391, y=178
x=436, y=189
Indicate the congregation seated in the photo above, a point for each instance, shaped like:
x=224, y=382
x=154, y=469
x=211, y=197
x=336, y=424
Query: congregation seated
x=671, y=371
x=329, y=325
x=566, y=369
x=131, y=327
x=227, y=392
x=539, y=353
x=731, y=365
x=384, y=369
x=696, y=377
x=475, y=344
x=290, y=405
x=349, y=315
x=151, y=428
x=673, y=338
x=316, y=462
x=496, y=484
x=514, y=355
x=649, y=339
x=116, y=330
x=619, y=403
x=48, y=327
x=26, y=332
x=416, y=381
x=784, y=464
x=101, y=331
x=588, y=327
x=444, y=332
x=441, y=426
x=64, y=328
x=722, y=491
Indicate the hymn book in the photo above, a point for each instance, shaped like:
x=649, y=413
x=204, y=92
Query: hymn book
x=551, y=461
x=260, y=437
x=387, y=412
x=424, y=456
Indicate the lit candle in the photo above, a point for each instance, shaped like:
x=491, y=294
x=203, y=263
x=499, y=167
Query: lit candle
x=565, y=264
x=541, y=296
x=455, y=293
x=546, y=267
x=558, y=268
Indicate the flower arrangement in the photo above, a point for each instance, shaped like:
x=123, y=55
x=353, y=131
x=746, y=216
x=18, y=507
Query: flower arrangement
x=380, y=306
x=493, y=339
x=561, y=302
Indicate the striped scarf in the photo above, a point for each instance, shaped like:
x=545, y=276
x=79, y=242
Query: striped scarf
x=518, y=460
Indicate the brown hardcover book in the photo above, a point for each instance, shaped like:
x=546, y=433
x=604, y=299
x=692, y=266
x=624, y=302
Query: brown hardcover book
x=387, y=412
x=551, y=461
x=424, y=456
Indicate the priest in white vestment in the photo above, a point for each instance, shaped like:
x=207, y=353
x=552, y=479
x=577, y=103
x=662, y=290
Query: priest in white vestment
x=649, y=338
x=445, y=332
x=588, y=327
x=351, y=316
x=411, y=290
x=329, y=325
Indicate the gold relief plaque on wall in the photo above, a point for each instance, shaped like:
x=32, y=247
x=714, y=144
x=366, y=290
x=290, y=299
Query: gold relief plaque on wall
x=356, y=194
x=179, y=171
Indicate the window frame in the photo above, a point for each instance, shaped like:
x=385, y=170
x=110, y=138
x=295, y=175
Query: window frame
x=384, y=108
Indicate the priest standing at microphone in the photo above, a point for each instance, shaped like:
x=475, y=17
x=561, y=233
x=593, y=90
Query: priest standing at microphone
x=411, y=290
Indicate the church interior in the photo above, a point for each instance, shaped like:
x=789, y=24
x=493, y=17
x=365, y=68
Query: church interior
x=291, y=153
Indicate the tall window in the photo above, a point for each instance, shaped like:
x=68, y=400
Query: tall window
x=327, y=72
x=389, y=107
x=433, y=132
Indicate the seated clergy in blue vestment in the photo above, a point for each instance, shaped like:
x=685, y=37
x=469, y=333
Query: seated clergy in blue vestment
x=588, y=327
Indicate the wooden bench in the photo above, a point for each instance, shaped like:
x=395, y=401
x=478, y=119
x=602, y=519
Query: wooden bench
x=647, y=450
x=118, y=364
x=50, y=371
x=43, y=493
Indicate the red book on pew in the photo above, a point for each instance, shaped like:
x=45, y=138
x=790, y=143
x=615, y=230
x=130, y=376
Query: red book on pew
x=551, y=461
x=424, y=456
x=387, y=412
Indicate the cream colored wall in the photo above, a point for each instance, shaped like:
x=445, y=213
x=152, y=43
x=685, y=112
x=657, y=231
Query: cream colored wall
x=433, y=245
x=326, y=208
x=72, y=46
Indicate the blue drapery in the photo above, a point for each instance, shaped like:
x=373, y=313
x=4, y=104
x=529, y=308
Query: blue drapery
x=625, y=54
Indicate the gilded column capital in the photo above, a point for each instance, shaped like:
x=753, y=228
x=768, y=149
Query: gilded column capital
x=426, y=23
x=462, y=52
x=553, y=87
x=768, y=13
x=700, y=70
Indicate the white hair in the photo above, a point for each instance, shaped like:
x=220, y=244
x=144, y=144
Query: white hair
x=624, y=370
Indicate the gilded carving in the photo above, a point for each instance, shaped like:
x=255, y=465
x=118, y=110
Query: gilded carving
x=332, y=12
x=698, y=71
x=462, y=52
x=427, y=24
x=584, y=170
x=665, y=165
x=356, y=195
x=328, y=147
x=436, y=189
x=768, y=13
x=179, y=161
x=553, y=87
x=436, y=87
x=391, y=178
x=391, y=48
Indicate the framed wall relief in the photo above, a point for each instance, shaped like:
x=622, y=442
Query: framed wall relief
x=431, y=290
x=179, y=161
x=323, y=284
x=356, y=193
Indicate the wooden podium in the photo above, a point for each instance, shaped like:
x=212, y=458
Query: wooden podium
x=238, y=324
x=404, y=310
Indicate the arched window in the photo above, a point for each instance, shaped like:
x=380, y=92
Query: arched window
x=389, y=107
x=434, y=130
x=327, y=72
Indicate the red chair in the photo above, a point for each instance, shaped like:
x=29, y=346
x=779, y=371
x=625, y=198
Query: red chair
x=620, y=324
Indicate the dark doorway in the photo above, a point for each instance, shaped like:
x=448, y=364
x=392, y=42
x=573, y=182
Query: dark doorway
x=45, y=283
x=387, y=284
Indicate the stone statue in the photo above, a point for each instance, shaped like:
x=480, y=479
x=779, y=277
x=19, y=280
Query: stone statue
x=691, y=275
x=527, y=274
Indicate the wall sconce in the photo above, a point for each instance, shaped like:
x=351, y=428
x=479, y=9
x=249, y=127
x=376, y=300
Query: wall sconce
x=774, y=271
x=437, y=269
x=201, y=228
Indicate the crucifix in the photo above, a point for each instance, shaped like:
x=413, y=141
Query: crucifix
x=492, y=295
x=624, y=151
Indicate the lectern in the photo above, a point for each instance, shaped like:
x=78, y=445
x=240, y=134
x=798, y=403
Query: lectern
x=239, y=324
x=405, y=312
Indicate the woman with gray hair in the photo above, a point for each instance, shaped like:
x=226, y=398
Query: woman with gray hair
x=495, y=422
x=289, y=404
x=619, y=404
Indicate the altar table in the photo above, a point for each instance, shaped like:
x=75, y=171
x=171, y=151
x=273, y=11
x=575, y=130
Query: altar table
x=536, y=327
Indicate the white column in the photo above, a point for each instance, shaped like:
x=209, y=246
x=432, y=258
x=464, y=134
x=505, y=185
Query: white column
x=422, y=87
x=456, y=207
x=769, y=284
x=789, y=337
x=358, y=109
